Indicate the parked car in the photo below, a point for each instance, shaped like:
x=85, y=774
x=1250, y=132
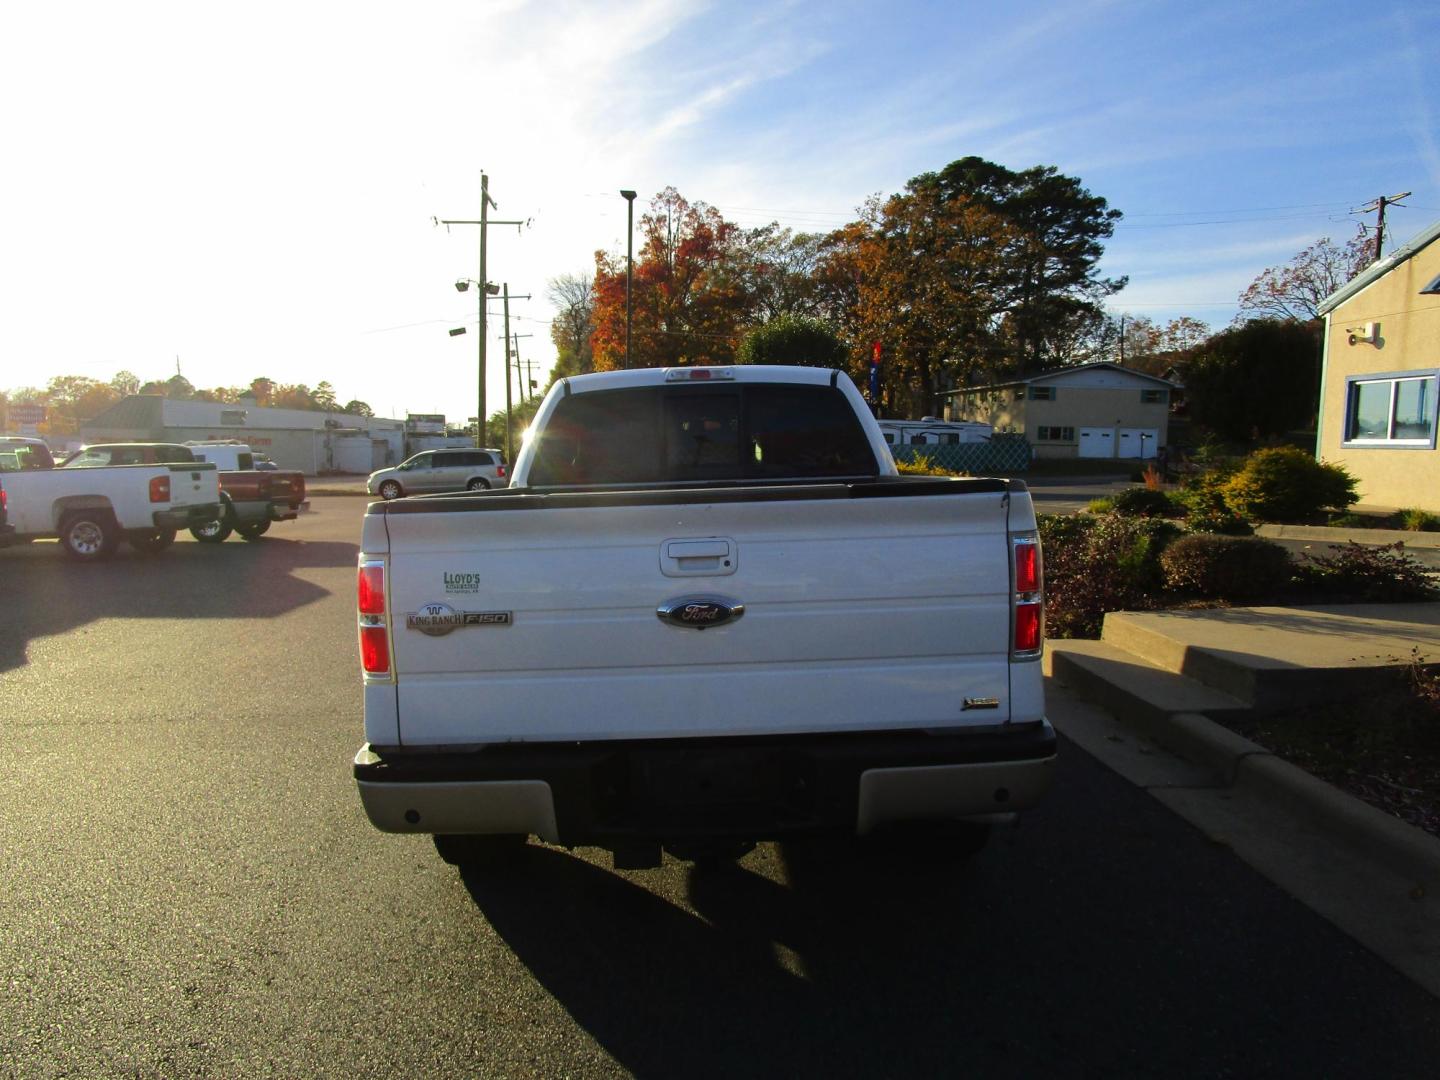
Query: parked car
x=19, y=453
x=7, y=531
x=441, y=470
x=250, y=498
x=92, y=509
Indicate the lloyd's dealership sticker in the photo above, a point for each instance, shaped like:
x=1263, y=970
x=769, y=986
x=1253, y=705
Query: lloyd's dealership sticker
x=437, y=620
x=462, y=583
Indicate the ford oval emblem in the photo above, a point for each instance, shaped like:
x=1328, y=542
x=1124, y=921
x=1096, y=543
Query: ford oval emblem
x=700, y=612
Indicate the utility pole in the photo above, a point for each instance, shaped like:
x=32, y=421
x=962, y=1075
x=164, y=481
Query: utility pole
x=1379, y=205
x=516, y=338
x=486, y=202
x=509, y=425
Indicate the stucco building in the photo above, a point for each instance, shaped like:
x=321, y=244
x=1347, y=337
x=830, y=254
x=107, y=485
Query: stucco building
x=1099, y=410
x=1379, y=378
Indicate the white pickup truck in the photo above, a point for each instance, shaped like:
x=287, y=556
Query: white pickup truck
x=707, y=612
x=92, y=510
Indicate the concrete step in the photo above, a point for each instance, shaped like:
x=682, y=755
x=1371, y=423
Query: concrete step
x=1276, y=658
x=1142, y=694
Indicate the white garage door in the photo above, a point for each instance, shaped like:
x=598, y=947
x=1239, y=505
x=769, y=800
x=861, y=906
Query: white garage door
x=1138, y=442
x=1097, y=442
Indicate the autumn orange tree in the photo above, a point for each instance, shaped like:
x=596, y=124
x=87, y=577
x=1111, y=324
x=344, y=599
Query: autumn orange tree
x=929, y=280
x=690, y=298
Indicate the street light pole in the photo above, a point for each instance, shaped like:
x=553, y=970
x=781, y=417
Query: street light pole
x=629, y=197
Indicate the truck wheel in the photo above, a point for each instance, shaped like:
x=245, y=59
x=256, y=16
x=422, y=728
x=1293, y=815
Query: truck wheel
x=212, y=532
x=89, y=535
x=150, y=541
x=253, y=532
x=478, y=484
x=476, y=850
x=390, y=489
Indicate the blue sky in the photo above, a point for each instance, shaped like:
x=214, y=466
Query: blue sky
x=251, y=188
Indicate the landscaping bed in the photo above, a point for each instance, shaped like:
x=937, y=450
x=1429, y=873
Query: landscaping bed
x=1384, y=749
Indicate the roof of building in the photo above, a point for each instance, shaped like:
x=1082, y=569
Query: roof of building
x=154, y=411
x=136, y=411
x=1376, y=270
x=1058, y=374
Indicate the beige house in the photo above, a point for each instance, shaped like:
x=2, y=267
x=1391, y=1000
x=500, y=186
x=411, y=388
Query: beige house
x=1098, y=410
x=1379, y=379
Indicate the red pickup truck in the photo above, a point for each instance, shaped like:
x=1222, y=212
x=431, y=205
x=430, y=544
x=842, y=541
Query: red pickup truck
x=250, y=498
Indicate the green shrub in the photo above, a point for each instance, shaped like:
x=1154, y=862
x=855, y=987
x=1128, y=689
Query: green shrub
x=1225, y=567
x=1351, y=521
x=1418, y=520
x=1285, y=483
x=1100, y=506
x=1368, y=572
x=1222, y=522
x=921, y=465
x=1142, y=502
x=1203, y=501
x=1100, y=563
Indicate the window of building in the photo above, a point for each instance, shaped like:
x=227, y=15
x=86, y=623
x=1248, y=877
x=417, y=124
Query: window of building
x=1390, y=410
x=1433, y=287
x=232, y=417
x=1042, y=393
x=1153, y=397
x=1055, y=434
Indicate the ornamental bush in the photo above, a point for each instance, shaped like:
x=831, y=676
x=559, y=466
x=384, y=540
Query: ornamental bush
x=1099, y=563
x=1225, y=567
x=1142, y=502
x=1285, y=483
x=1363, y=572
x=1203, y=502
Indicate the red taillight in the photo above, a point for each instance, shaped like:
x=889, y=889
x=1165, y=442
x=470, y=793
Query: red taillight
x=372, y=589
x=374, y=625
x=2, y=499
x=1027, y=627
x=374, y=650
x=160, y=489
x=1027, y=567
x=500, y=471
x=1027, y=603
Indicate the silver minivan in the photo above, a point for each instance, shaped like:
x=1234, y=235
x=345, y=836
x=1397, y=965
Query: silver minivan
x=441, y=470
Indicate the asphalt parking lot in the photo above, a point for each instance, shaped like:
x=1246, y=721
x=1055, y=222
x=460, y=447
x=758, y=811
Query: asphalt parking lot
x=189, y=887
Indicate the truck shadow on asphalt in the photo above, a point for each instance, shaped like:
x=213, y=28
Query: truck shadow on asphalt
x=1154, y=953
x=43, y=593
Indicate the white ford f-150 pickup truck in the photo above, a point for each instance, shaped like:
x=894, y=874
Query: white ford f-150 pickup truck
x=92, y=510
x=707, y=612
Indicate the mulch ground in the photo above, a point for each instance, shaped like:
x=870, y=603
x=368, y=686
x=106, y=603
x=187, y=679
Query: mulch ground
x=1384, y=749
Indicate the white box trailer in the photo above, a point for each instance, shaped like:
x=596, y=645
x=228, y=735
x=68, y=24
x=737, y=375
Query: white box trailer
x=932, y=431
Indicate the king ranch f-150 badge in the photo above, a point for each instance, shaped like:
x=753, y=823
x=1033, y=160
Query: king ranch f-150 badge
x=437, y=619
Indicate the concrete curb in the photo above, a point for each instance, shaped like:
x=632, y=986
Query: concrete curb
x=1244, y=765
x=339, y=491
x=1327, y=535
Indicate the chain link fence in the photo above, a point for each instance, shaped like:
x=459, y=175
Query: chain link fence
x=1003, y=453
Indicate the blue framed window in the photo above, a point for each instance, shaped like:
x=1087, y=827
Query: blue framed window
x=1153, y=397
x=1395, y=409
x=1042, y=393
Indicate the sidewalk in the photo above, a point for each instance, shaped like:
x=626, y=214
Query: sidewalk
x=1164, y=678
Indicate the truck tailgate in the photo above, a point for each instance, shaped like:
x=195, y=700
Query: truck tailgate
x=859, y=614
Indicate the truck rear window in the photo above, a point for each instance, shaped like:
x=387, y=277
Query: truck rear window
x=661, y=434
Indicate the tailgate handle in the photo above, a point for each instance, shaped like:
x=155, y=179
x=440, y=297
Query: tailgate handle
x=712, y=555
